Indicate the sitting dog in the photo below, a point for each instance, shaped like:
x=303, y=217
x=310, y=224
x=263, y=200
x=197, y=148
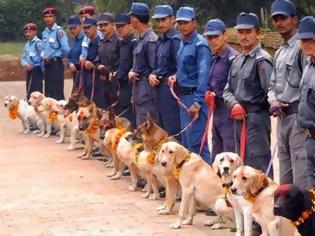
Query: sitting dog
x=35, y=100
x=198, y=182
x=18, y=108
x=297, y=206
x=258, y=190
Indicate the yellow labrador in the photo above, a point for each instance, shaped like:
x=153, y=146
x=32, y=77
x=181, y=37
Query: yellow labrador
x=198, y=181
x=258, y=191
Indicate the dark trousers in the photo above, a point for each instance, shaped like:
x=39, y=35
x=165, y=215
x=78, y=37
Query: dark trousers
x=168, y=109
x=257, y=151
x=310, y=151
x=76, y=77
x=124, y=102
x=54, y=79
x=222, y=132
x=34, y=81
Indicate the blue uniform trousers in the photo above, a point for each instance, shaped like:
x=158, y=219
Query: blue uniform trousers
x=310, y=151
x=34, y=81
x=124, y=102
x=54, y=79
x=222, y=132
x=168, y=109
x=192, y=137
x=144, y=100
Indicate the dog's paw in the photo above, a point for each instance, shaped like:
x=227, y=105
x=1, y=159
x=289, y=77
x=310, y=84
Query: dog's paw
x=85, y=157
x=59, y=141
x=153, y=196
x=176, y=225
x=21, y=131
x=46, y=135
x=164, y=212
x=209, y=223
x=187, y=221
x=115, y=177
x=216, y=226
x=160, y=208
x=132, y=188
x=41, y=134
x=36, y=131
x=27, y=131
x=111, y=174
x=70, y=147
x=146, y=195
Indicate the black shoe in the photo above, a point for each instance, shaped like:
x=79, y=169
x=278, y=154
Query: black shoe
x=33, y=128
x=256, y=229
x=141, y=183
x=54, y=131
x=210, y=212
x=126, y=172
x=97, y=154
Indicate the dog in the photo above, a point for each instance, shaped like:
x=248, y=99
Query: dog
x=19, y=108
x=258, y=192
x=198, y=181
x=296, y=205
x=35, y=100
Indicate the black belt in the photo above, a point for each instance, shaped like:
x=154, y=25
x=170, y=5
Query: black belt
x=185, y=90
x=292, y=109
x=253, y=108
x=163, y=79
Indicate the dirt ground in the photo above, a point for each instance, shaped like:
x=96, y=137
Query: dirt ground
x=47, y=191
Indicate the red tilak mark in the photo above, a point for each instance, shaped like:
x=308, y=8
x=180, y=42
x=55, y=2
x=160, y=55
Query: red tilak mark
x=228, y=158
x=81, y=114
x=242, y=171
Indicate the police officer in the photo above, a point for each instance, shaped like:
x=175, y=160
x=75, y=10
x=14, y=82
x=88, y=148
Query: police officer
x=193, y=67
x=165, y=66
x=76, y=32
x=55, y=47
x=144, y=61
x=246, y=93
x=222, y=58
x=127, y=45
x=92, y=85
x=108, y=60
x=32, y=61
x=306, y=109
x=284, y=95
x=87, y=12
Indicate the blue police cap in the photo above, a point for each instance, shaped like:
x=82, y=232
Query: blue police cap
x=246, y=21
x=122, y=19
x=214, y=27
x=73, y=21
x=139, y=9
x=89, y=22
x=185, y=14
x=162, y=11
x=283, y=7
x=307, y=28
x=105, y=18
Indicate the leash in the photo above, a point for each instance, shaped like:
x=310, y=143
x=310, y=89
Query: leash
x=112, y=105
x=271, y=159
x=243, y=139
x=186, y=127
x=179, y=101
x=124, y=111
x=93, y=83
x=29, y=86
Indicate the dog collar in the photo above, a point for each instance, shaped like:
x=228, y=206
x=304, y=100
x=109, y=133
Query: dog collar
x=139, y=148
x=307, y=213
x=93, y=128
x=251, y=197
x=179, y=166
x=13, y=111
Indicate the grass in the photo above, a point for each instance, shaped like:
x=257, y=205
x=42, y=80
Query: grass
x=15, y=49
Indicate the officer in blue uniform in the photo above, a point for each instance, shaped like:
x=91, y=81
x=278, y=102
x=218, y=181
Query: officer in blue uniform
x=92, y=84
x=75, y=30
x=144, y=62
x=32, y=61
x=193, y=67
x=245, y=93
x=55, y=47
x=127, y=45
x=222, y=58
x=306, y=108
x=168, y=45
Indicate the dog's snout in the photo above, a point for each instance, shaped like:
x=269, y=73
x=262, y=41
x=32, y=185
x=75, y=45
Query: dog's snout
x=225, y=168
x=163, y=163
x=233, y=190
x=5, y=104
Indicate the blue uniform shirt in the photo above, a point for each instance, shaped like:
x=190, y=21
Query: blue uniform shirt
x=144, y=53
x=219, y=70
x=31, y=54
x=85, y=44
x=76, y=49
x=167, y=49
x=55, y=42
x=193, y=65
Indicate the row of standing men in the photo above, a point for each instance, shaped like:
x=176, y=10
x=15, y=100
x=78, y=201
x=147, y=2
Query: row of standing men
x=113, y=65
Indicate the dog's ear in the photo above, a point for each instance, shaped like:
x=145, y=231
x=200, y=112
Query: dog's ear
x=148, y=120
x=216, y=165
x=180, y=153
x=257, y=181
x=99, y=113
x=238, y=161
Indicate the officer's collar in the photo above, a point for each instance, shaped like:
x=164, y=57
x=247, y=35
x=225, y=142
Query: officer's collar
x=190, y=39
x=143, y=34
x=80, y=35
x=170, y=33
x=34, y=39
x=128, y=38
x=224, y=53
x=291, y=42
x=253, y=52
x=53, y=27
x=111, y=37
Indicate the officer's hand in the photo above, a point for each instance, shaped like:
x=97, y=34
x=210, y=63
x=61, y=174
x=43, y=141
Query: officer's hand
x=238, y=112
x=210, y=98
x=194, y=110
x=88, y=65
x=171, y=80
x=153, y=81
x=276, y=108
x=28, y=67
x=133, y=75
x=73, y=68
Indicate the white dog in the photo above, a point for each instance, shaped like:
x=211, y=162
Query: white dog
x=19, y=108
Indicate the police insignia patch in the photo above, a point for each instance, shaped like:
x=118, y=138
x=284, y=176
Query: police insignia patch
x=60, y=34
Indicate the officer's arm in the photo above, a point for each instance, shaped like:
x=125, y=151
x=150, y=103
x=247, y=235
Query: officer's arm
x=265, y=68
x=203, y=69
x=84, y=50
x=174, y=48
x=229, y=99
x=271, y=88
x=44, y=42
x=151, y=54
x=24, y=57
x=64, y=43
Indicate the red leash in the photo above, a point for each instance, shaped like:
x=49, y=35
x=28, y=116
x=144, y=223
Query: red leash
x=180, y=102
x=243, y=139
x=93, y=82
